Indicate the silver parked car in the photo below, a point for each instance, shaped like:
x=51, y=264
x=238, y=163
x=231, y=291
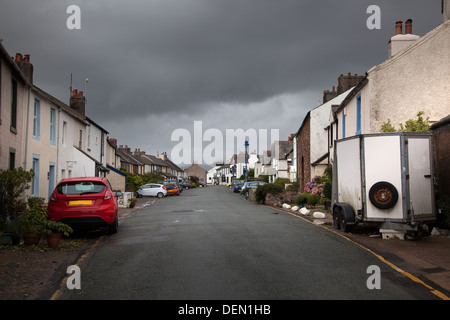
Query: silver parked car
x=253, y=184
x=152, y=190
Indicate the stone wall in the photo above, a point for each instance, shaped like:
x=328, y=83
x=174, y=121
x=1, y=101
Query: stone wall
x=287, y=196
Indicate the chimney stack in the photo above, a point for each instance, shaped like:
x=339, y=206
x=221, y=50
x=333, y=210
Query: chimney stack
x=78, y=101
x=408, y=26
x=446, y=9
x=401, y=41
x=329, y=95
x=113, y=142
x=23, y=62
x=399, y=27
x=347, y=82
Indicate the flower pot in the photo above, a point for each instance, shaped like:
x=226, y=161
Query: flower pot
x=31, y=238
x=53, y=240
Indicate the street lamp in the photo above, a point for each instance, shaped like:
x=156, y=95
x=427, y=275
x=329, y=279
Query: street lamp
x=246, y=159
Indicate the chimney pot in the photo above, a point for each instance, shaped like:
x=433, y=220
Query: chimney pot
x=80, y=93
x=18, y=57
x=408, y=26
x=398, y=27
x=26, y=58
x=74, y=92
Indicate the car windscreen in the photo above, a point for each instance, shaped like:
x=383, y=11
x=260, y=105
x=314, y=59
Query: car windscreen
x=80, y=187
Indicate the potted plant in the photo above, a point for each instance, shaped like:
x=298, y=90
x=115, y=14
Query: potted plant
x=11, y=232
x=132, y=202
x=54, y=231
x=31, y=220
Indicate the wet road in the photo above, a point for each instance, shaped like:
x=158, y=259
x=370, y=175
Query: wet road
x=208, y=243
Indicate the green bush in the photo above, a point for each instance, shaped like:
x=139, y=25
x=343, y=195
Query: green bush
x=312, y=199
x=262, y=191
x=294, y=186
x=13, y=184
x=282, y=181
x=302, y=198
x=443, y=217
x=327, y=190
x=134, y=181
x=31, y=220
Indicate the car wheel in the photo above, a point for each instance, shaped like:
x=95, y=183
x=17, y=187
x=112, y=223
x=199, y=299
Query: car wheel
x=160, y=195
x=383, y=195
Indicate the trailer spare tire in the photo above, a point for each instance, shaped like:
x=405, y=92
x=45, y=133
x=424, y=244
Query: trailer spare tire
x=383, y=195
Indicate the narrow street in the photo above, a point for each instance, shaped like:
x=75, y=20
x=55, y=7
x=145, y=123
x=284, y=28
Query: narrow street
x=209, y=244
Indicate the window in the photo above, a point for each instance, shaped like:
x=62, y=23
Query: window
x=53, y=126
x=358, y=114
x=12, y=158
x=13, y=106
x=88, y=137
x=64, y=133
x=80, y=187
x=37, y=120
x=0, y=91
x=51, y=177
x=81, y=139
x=343, y=123
x=35, y=180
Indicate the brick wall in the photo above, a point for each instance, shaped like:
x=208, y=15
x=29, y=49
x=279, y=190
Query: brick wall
x=441, y=139
x=303, y=154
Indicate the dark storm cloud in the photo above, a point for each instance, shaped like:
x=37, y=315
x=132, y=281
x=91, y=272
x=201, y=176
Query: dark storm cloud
x=172, y=57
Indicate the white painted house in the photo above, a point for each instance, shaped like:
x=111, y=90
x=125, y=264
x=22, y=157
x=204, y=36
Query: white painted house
x=415, y=77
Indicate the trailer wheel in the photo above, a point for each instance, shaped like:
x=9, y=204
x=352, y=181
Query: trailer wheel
x=383, y=195
x=343, y=217
x=336, y=217
x=344, y=226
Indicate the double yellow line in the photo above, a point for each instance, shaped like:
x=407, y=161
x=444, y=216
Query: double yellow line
x=390, y=264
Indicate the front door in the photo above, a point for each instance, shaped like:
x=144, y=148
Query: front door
x=51, y=178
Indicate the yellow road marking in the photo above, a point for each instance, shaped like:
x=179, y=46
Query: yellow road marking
x=390, y=264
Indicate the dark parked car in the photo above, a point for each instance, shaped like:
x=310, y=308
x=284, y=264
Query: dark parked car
x=237, y=186
x=86, y=202
x=185, y=184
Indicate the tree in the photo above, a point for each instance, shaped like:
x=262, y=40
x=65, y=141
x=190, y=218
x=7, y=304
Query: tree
x=13, y=184
x=411, y=125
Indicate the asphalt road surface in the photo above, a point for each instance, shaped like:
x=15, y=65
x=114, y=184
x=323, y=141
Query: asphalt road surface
x=209, y=244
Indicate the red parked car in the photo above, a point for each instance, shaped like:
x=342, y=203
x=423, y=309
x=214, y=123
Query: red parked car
x=85, y=202
x=172, y=188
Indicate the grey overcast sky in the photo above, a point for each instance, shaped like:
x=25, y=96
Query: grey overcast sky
x=158, y=65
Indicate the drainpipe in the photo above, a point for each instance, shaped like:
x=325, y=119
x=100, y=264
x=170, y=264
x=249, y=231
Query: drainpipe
x=57, y=147
x=26, y=129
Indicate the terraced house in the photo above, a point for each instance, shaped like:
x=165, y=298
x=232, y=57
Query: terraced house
x=14, y=100
x=40, y=132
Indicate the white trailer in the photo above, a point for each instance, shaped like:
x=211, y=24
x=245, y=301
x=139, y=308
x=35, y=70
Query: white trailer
x=384, y=179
